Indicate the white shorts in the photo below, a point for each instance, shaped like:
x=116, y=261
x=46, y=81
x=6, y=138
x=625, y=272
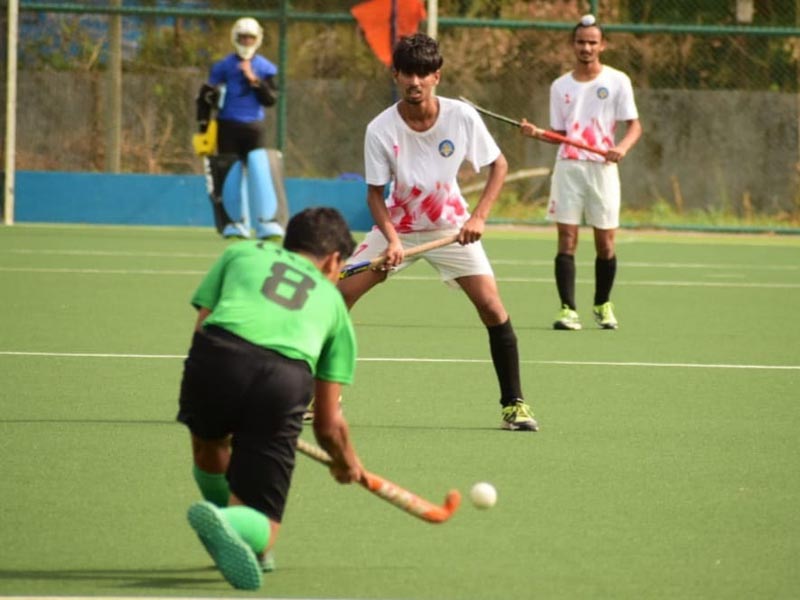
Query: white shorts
x=451, y=261
x=585, y=189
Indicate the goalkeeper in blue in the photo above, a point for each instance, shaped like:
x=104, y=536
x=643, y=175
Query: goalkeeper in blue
x=272, y=329
x=239, y=175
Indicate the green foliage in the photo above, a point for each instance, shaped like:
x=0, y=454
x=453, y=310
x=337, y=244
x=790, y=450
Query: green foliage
x=661, y=213
x=705, y=12
x=68, y=46
x=178, y=45
x=688, y=61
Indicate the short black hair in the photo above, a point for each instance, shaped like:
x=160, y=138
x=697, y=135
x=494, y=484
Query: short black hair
x=319, y=231
x=586, y=22
x=417, y=54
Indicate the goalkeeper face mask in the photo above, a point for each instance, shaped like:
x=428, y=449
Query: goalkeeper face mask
x=246, y=36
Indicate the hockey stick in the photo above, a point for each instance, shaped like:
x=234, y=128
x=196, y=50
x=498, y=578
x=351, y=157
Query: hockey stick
x=393, y=493
x=216, y=169
x=541, y=133
x=365, y=265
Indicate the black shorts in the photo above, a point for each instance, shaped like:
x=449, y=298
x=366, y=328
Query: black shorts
x=233, y=387
x=234, y=137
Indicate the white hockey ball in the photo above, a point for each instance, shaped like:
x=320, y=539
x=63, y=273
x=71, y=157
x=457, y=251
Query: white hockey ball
x=483, y=495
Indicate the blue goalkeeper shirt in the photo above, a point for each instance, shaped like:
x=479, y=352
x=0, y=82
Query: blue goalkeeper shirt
x=239, y=101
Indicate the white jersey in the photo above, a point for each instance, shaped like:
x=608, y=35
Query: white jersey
x=422, y=166
x=590, y=110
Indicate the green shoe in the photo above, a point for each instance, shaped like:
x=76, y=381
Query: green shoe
x=604, y=315
x=235, y=559
x=567, y=319
x=518, y=417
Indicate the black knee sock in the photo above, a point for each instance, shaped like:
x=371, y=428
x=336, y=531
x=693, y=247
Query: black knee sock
x=565, y=279
x=604, y=272
x=505, y=356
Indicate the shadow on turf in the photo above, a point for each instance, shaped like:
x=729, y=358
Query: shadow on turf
x=145, y=422
x=126, y=578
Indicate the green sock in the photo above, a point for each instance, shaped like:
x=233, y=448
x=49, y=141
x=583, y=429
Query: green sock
x=252, y=525
x=213, y=486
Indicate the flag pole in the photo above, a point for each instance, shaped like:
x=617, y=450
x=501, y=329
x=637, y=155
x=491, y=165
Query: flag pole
x=433, y=18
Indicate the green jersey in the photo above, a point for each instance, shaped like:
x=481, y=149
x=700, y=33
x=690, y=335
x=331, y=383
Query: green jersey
x=280, y=300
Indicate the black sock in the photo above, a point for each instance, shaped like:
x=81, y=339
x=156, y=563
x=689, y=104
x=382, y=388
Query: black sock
x=505, y=356
x=565, y=279
x=604, y=272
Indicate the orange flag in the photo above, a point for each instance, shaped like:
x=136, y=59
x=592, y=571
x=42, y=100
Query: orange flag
x=374, y=18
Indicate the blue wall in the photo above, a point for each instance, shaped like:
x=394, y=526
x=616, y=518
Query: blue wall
x=48, y=197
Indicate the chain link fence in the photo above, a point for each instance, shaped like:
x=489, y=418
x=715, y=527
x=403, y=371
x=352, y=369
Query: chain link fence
x=716, y=83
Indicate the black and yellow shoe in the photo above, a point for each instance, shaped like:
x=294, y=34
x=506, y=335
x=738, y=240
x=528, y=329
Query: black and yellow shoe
x=604, y=315
x=567, y=320
x=518, y=417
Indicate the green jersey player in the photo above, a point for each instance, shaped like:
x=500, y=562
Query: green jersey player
x=272, y=330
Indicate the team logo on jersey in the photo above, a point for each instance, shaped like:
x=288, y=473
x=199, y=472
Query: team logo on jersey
x=602, y=93
x=446, y=148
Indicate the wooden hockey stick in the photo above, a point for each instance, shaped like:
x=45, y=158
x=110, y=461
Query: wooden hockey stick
x=393, y=493
x=365, y=265
x=541, y=133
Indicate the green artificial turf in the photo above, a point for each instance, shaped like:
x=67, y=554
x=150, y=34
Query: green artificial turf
x=666, y=466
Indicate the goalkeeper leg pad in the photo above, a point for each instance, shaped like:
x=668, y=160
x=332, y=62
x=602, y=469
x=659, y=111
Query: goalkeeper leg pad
x=263, y=198
x=234, y=200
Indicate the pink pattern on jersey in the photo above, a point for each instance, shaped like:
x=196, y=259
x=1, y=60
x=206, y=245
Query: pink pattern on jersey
x=570, y=152
x=399, y=205
x=608, y=139
x=590, y=136
x=438, y=209
x=431, y=208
